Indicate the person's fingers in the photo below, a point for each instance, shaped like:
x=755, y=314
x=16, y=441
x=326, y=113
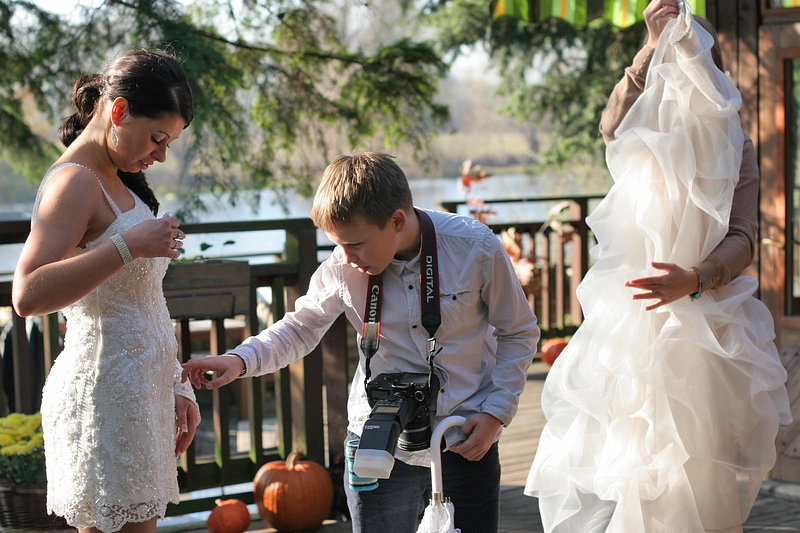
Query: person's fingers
x=182, y=422
x=656, y=305
x=465, y=448
x=182, y=443
x=222, y=379
x=470, y=449
x=645, y=296
x=186, y=420
x=198, y=378
x=669, y=267
x=196, y=370
x=468, y=426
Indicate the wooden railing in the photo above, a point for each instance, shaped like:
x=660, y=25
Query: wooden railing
x=298, y=389
x=308, y=399
x=557, y=248
x=214, y=291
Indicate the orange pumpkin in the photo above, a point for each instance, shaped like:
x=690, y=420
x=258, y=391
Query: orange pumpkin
x=229, y=516
x=552, y=348
x=294, y=495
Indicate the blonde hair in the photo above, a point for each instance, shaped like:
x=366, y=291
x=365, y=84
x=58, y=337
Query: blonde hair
x=367, y=184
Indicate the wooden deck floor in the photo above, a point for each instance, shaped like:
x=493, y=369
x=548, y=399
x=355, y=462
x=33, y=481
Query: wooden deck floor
x=776, y=510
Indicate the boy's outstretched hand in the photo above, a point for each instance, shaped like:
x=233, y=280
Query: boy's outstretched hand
x=226, y=367
x=481, y=431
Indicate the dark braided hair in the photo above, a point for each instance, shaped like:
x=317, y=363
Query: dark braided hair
x=153, y=83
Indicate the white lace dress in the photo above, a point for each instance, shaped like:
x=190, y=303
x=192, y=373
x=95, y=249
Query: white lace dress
x=663, y=421
x=108, y=407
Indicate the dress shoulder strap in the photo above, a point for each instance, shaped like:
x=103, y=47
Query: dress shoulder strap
x=58, y=168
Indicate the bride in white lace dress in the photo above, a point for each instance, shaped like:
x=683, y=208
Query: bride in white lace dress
x=114, y=411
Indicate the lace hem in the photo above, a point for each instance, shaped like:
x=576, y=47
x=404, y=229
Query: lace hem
x=109, y=518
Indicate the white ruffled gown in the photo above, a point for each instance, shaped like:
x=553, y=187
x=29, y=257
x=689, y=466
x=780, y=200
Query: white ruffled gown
x=663, y=421
x=108, y=407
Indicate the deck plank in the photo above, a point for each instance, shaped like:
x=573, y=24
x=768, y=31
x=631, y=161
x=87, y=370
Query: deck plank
x=520, y=513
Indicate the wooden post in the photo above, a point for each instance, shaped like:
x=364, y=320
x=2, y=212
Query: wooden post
x=335, y=363
x=544, y=319
x=51, y=344
x=559, y=268
x=580, y=257
x=23, y=396
x=283, y=398
x=221, y=402
x=306, y=375
x=251, y=388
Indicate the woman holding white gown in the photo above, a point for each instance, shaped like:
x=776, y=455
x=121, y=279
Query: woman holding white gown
x=663, y=410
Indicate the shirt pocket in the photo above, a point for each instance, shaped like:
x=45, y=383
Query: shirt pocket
x=459, y=305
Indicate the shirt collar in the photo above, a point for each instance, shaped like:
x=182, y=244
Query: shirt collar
x=398, y=266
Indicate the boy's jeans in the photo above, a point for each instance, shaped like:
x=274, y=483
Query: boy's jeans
x=397, y=505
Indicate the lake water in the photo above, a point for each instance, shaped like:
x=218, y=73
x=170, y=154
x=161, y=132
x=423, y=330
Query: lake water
x=259, y=246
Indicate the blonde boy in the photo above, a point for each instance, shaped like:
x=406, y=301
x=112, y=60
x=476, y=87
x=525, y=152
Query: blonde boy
x=486, y=340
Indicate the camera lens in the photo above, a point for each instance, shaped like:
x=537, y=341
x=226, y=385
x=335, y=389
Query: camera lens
x=417, y=435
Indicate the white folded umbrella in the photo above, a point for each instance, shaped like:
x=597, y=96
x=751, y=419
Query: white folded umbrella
x=439, y=515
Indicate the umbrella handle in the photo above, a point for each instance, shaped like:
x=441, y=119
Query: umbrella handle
x=436, y=449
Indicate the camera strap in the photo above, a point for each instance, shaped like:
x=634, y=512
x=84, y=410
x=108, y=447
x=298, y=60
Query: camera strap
x=429, y=299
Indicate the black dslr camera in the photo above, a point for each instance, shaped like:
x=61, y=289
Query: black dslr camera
x=401, y=416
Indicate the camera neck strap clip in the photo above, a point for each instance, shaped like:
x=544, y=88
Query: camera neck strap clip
x=429, y=298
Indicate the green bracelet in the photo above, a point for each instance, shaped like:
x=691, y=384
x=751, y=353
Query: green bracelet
x=700, y=286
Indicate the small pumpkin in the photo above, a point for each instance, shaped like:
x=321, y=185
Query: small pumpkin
x=552, y=348
x=293, y=495
x=229, y=516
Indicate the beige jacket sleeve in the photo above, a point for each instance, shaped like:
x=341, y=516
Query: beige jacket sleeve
x=735, y=252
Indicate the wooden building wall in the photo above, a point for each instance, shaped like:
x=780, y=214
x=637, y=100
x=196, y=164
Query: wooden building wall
x=757, y=42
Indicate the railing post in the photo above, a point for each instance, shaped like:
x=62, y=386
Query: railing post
x=544, y=319
x=221, y=403
x=306, y=375
x=23, y=394
x=51, y=336
x=251, y=387
x=337, y=373
x=559, y=280
x=580, y=260
x=283, y=396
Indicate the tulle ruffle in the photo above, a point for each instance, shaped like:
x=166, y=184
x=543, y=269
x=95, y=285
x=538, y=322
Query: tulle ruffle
x=663, y=421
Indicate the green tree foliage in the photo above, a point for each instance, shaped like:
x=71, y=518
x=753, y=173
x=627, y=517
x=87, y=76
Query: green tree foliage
x=551, y=70
x=274, y=82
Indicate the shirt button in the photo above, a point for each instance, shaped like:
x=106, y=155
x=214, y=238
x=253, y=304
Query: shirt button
x=411, y=287
x=414, y=326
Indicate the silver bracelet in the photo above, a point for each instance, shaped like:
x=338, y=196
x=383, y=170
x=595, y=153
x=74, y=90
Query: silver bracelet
x=122, y=248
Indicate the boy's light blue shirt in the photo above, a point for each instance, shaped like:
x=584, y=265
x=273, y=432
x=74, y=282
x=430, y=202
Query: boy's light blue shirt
x=488, y=334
